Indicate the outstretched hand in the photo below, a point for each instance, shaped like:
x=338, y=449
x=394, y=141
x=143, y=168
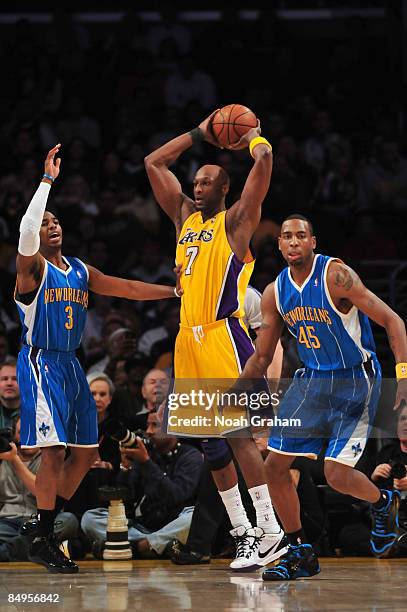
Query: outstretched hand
x=52, y=165
x=178, y=272
x=206, y=128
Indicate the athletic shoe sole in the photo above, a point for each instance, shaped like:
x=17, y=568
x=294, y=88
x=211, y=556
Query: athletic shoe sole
x=54, y=570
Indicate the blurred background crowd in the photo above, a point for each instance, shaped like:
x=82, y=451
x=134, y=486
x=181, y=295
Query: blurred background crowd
x=329, y=97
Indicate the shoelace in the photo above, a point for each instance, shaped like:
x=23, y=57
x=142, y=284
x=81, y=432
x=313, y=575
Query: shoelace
x=380, y=521
x=256, y=542
x=241, y=543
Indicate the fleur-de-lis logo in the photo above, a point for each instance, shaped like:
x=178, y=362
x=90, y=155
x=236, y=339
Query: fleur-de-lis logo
x=356, y=449
x=44, y=429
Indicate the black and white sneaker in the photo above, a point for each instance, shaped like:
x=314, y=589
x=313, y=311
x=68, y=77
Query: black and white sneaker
x=46, y=552
x=245, y=539
x=255, y=548
x=268, y=547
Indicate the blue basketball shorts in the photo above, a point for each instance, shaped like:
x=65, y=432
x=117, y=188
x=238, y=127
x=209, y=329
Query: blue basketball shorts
x=57, y=407
x=335, y=407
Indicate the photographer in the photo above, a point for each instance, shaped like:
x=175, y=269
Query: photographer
x=9, y=393
x=18, y=468
x=387, y=469
x=162, y=480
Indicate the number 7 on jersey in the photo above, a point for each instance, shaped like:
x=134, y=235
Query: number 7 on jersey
x=192, y=253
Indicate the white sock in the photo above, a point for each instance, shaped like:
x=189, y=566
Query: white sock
x=234, y=507
x=265, y=517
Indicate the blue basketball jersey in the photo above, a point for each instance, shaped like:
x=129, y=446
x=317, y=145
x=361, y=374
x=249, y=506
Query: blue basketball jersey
x=327, y=339
x=56, y=317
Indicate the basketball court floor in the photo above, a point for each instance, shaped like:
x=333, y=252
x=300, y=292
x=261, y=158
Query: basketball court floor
x=344, y=584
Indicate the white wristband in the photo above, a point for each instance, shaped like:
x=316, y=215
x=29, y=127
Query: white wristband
x=176, y=293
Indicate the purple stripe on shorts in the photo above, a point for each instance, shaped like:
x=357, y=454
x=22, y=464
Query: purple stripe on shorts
x=243, y=344
x=229, y=301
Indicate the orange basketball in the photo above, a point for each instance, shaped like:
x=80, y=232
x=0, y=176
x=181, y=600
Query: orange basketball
x=231, y=122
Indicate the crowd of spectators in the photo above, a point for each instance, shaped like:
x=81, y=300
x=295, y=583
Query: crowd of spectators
x=111, y=93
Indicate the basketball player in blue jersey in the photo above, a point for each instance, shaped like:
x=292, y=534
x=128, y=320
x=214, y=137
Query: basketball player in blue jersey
x=57, y=408
x=213, y=246
x=326, y=307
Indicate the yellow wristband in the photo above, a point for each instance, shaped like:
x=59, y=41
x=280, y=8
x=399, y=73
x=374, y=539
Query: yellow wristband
x=256, y=141
x=401, y=370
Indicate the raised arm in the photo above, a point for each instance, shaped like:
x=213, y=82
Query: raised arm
x=243, y=217
x=165, y=185
x=132, y=290
x=345, y=284
x=30, y=263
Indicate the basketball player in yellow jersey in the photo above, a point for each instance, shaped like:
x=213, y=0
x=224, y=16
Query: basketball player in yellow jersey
x=213, y=249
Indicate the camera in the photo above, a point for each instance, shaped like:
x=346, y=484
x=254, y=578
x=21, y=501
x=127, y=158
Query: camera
x=119, y=432
x=398, y=470
x=6, y=436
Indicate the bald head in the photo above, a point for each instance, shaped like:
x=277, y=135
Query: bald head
x=214, y=172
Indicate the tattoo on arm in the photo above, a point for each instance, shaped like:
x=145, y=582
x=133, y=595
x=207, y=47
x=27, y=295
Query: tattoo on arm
x=265, y=326
x=343, y=278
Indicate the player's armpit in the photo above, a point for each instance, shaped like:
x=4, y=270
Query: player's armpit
x=29, y=272
x=243, y=217
x=343, y=282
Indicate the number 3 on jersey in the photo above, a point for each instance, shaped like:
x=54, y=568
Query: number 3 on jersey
x=69, y=323
x=192, y=253
x=307, y=337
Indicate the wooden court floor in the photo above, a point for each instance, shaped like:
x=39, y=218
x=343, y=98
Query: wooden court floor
x=343, y=584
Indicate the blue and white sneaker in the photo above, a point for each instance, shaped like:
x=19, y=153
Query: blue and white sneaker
x=298, y=562
x=385, y=525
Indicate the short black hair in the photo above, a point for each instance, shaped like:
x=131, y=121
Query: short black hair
x=299, y=216
x=53, y=212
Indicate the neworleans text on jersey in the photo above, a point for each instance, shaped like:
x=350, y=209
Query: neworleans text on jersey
x=307, y=313
x=66, y=294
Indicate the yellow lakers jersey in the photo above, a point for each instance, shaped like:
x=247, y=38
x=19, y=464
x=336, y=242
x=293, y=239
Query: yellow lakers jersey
x=213, y=278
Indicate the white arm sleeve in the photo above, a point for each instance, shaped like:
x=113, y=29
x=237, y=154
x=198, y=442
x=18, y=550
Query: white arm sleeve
x=30, y=225
x=252, y=307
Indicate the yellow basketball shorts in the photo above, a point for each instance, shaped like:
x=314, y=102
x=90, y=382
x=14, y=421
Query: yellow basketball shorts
x=208, y=359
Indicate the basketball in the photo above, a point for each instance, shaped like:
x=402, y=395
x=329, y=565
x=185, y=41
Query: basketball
x=231, y=122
